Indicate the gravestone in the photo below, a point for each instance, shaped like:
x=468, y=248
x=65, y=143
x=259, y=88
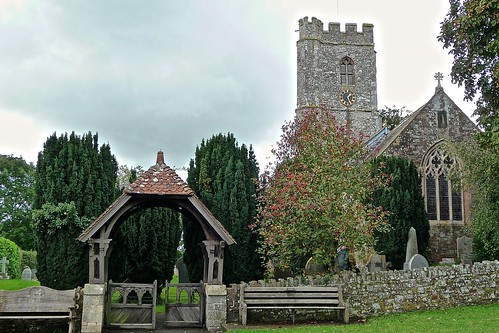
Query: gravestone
x=465, y=250
x=417, y=262
x=343, y=258
x=312, y=268
x=183, y=273
x=4, y=274
x=376, y=263
x=412, y=247
x=26, y=274
x=33, y=274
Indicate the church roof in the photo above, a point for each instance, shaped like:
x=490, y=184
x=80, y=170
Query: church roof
x=439, y=101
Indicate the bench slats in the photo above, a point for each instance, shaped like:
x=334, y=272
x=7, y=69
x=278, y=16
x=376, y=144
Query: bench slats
x=298, y=307
x=290, y=289
x=34, y=317
x=291, y=295
x=292, y=301
x=293, y=298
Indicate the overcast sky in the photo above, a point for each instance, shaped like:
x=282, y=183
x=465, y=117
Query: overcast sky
x=158, y=74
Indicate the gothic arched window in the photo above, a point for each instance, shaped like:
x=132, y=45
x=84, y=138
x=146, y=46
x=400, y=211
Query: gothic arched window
x=346, y=71
x=443, y=198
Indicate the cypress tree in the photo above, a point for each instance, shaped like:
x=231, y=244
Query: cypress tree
x=404, y=201
x=70, y=169
x=145, y=247
x=224, y=177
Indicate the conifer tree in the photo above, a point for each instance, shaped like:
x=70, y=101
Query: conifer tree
x=145, y=247
x=224, y=176
x=70, y=169
x=403, y=200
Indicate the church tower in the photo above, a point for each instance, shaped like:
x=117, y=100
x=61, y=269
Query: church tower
x=337, y=70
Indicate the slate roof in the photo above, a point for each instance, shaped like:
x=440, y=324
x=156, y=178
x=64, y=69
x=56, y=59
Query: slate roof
x=160, y=179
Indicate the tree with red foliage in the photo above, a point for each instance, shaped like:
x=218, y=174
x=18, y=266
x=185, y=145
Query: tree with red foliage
x=316, y=194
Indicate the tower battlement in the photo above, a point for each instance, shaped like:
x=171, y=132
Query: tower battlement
x=315, y=30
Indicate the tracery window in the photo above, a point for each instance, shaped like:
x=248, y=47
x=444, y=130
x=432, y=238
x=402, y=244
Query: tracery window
x=443, y=198
x=346, y=71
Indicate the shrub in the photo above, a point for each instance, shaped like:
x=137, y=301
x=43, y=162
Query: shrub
x=10, y=250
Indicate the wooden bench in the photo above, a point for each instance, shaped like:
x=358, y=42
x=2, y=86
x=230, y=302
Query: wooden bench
x=40, y=303
x=293, y=298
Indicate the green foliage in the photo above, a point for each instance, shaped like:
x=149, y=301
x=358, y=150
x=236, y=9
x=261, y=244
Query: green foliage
x=316, y=194
x=10, y=250
x=28, y=258
x=62, y=260
x=470, y=32
x=481, y=176
x=16, y=199
x=73, y=168
x=225, y=176
x=392, y=116
x=75, y=183
x=145, y=247
x=402, y=198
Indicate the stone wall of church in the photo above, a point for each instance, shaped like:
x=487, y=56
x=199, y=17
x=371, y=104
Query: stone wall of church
x=415, y=140
x=423, y=132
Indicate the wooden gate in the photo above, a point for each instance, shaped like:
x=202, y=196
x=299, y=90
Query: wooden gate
x=185, y=305
x=131, y=305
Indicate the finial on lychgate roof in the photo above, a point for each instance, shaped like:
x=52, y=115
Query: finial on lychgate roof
x=439, y=76
x=160, y=158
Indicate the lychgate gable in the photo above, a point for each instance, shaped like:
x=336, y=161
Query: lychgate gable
x=159, y=186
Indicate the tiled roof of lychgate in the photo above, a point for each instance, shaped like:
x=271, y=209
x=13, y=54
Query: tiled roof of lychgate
x=160, y=179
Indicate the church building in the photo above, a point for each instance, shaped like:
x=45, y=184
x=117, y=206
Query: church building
x=337, y=69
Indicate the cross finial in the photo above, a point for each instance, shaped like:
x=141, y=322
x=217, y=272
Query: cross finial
x=4, y=263
x=438, y=76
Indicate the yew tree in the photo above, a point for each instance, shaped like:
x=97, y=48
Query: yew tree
x=316, y=194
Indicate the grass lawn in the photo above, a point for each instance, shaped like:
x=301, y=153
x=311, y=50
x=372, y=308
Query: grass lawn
x=483, y=319
x=17, y=284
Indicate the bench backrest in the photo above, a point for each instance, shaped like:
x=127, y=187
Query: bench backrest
x=36, y=299
x=280, y=296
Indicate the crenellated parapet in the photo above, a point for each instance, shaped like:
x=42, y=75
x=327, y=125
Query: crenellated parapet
x=315, y=30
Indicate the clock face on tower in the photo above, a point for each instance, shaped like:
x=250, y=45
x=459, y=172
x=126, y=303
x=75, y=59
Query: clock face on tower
x=347, y=97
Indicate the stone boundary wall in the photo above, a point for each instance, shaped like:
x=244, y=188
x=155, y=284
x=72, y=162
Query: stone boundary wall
x=386, y=292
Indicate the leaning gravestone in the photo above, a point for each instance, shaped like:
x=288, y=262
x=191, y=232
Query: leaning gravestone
x=417, y=262
x=412, y=247
x=465, y=250
x=376, y=263
x=26, y=274
x=312, y=268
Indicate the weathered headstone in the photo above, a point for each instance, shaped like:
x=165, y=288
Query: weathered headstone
x=465, y=250
x=183, y=274
x=343, y=258
x=376, y=263
x=412, y=247
x=26, y=274
x=33, y=274
x=4, y=274
x=417, y=262
x=312, y=268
